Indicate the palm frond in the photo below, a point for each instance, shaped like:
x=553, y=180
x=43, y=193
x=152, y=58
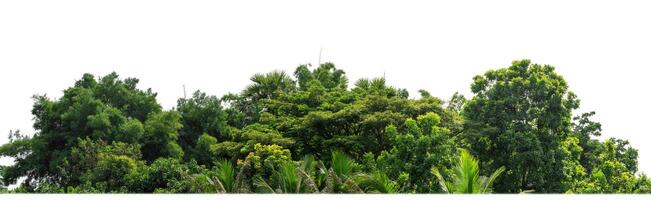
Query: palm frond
x=341, y=164
x=445, y=186
x=226, y=175
x=488, y=183
x=308, y=164
x=219, y=186
x=377, y=182
x=466, y=173
x=288, y=179
x=309, y=182
x=465, y=176
x=262, y=186
x=352, y=186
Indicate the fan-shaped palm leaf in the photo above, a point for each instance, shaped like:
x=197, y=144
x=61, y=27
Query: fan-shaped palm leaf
x=341, y=164
x=269, y=85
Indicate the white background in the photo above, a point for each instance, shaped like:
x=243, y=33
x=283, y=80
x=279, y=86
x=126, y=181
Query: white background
x=602, y=48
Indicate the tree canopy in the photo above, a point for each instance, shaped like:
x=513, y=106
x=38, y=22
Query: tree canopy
x=313, y=133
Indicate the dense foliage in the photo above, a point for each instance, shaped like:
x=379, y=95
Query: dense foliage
x=311, y=133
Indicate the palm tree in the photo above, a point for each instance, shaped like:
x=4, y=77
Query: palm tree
x=465, y=178
x=221, y=180
x=290, y=178
x=226, y=176
x=269, y=85
x=378, y=182
x=340, y=177
x=312, y=177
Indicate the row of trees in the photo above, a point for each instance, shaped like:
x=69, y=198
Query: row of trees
x=310, y=133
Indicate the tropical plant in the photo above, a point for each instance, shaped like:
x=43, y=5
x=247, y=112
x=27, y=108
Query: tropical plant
x=466, y=178
x=341, y=175
x=517, y=118
x=269, y=85
x=378, y=182
x=225, y=173
x=104, y=135
x=288, y=179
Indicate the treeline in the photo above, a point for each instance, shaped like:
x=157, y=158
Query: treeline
x=311, y=133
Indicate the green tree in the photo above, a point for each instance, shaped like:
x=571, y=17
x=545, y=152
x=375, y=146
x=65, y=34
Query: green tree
x=107, y=109
x=642, y=184
x=326, y=75
x=110, y=174
x=164, y=175
x=204, y=151
x=201, y=114
x=518, y=118
x=161, y=135
x=574, y=172
x=610, y=173
x=83, y=164
x=422, y=144
x=456, y=102
x=104, y=135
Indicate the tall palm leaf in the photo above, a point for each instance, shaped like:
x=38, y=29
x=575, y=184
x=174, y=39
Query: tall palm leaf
x=341, y=164
x=465, y=177
x=225, y=176
x=262, y=186
x=487, y=183
x=289, y=179
x=341, y=174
